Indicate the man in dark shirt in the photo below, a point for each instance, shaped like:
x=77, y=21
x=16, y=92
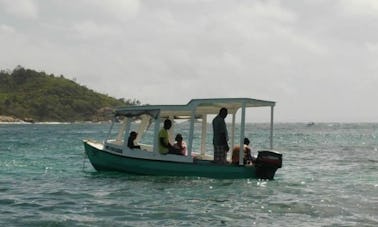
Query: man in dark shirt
x=220, y=137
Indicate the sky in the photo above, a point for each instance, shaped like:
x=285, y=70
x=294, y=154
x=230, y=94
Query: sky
x=318, y=59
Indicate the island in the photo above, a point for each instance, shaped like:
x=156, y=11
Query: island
x=30, y=96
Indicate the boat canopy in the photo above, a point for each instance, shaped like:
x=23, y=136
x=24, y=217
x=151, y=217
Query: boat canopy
x=193, y=110
x=196, y=107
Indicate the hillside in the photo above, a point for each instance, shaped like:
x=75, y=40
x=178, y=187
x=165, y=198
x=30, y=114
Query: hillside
x=37, y=96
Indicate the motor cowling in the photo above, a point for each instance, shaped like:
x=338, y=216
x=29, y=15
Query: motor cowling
x=267, y=162
x=269, y=158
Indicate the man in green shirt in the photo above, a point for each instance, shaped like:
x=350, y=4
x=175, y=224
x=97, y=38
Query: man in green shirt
x=164, y=145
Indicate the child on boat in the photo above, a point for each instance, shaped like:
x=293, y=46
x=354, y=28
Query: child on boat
x=179, y=147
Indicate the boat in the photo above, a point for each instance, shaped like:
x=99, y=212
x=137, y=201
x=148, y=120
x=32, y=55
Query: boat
x=193, y=120
x=309, y=124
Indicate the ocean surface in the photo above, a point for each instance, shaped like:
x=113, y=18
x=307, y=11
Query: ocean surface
x=329, y=178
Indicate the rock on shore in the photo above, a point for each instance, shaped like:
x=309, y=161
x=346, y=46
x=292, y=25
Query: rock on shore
x=9, y=119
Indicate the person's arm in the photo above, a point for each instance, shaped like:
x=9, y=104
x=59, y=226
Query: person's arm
x=224, y=140
x=135, y=146
x=164, y=144
x=130, y=143
x=224, y=136
x=184, y=149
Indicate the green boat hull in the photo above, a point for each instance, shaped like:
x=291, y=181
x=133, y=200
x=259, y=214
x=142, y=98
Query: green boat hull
x=103, y=160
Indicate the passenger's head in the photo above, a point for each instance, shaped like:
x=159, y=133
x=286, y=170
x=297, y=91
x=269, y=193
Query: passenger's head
x=133, y=134
x=246, y=141
x=178, y=137
x=223, y=112
x=167, y=124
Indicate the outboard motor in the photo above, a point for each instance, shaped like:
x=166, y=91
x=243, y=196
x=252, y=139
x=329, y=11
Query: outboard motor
x=267, y=162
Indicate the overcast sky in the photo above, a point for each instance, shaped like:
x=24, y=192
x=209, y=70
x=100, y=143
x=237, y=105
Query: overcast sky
x=318, y=59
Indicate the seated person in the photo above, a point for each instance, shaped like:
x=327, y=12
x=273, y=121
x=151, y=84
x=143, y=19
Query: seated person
x=130, y=141
x=248, y=159
x=179, y=147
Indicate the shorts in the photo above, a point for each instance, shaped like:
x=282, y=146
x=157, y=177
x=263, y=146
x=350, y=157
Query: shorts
x=220, y=154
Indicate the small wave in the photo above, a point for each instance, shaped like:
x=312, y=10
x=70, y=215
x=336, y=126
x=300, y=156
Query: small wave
x=53, y=123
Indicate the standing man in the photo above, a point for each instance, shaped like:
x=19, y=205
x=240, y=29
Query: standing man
x=220, y=137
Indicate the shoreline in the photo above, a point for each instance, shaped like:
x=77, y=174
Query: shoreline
x=50, y=123
x=9, y=119
x=13, y=120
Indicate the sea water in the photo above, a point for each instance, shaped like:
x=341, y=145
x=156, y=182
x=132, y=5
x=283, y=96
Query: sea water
x=329, y=178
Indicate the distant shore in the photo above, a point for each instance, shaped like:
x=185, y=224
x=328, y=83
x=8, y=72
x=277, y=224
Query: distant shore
x=13, y=120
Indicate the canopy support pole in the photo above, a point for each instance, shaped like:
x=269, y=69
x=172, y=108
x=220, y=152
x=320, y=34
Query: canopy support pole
x=156, y=133
x=203, y=136
x=191, y=131
x=242, y=129
x=271, y=127
x=110, y=129
x=233, y=130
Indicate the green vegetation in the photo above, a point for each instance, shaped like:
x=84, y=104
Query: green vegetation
x=27, y=94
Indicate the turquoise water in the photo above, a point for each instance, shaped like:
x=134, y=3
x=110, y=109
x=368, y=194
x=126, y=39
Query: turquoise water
x=329, y=178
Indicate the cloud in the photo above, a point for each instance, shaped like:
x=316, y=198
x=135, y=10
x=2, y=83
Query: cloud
x=121, y=10
x=166, y=51
x=6, y=30
x=372, y=47
x=90, y=30
x=360, y=7
x=24, y=9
